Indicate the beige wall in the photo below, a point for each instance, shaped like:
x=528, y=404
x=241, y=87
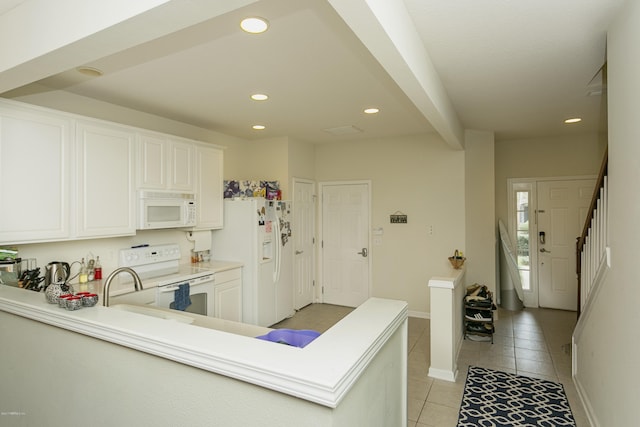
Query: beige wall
x=421, y=177
x=607, y=350
x=302, y=160
x=480, y=209
x=274, y=159
x=265, y=159
x=544, y=157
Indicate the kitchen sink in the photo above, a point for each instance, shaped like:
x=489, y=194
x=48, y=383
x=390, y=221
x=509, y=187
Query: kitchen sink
x=153, y=312
x=202, y=321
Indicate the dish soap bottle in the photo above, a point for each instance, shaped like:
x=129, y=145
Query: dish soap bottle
x=97, y=269
x=84, y=275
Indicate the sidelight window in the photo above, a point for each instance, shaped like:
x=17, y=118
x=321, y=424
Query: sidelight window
x=522, y=237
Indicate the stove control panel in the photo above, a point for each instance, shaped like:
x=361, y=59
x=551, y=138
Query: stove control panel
x=144, y=255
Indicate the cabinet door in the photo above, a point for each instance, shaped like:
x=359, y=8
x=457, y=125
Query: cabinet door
x=34, y=175
x=105, y=180
x=209, y=187
x=152, y=161
x=181, y=165
x=228, y=300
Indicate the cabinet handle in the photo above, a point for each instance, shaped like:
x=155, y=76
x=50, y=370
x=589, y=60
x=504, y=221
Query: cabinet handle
x=299, y=252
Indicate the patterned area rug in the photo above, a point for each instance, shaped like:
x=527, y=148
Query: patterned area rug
x=494, y=398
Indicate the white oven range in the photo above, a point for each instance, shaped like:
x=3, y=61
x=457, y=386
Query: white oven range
x=162, y=263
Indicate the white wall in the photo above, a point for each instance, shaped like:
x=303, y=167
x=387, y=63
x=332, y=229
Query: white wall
x=608, y=350
x=106, y=249
x=421, y=177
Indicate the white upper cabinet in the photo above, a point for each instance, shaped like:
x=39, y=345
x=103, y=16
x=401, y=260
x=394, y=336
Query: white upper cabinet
x=105, y=179
x=181, y=158
x=34, y=175
x=209, y=185
x=165, y=163
x=65, y=176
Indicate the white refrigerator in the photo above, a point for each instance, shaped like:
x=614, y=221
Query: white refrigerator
x=257, y=232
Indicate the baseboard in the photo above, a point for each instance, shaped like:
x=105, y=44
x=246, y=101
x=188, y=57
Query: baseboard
x=419, y=314
x=586, y=403
x=442, y=374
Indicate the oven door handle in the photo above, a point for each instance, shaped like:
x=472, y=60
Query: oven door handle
x=165, y=289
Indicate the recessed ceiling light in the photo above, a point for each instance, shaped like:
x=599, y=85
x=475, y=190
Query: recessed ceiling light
x=259, y=97
x=90, y=71
x=573, y=120
x=371, y=110
x=254, y=25
x=258, y=127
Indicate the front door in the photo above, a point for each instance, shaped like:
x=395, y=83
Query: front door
x=561, y=211
x=345, y=243
x=303, y=242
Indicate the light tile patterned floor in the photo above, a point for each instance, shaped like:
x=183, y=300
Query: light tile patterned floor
x=531, y=342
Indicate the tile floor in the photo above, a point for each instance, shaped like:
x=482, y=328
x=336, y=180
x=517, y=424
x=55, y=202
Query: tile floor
x=532, y=342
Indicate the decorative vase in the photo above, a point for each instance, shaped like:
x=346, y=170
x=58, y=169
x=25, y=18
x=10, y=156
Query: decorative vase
x=54, y=290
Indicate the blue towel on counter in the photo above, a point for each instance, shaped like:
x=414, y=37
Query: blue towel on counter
x=293, y=337
x=181, y=297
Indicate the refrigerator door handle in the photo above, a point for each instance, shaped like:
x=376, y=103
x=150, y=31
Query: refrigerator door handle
x=278, y=249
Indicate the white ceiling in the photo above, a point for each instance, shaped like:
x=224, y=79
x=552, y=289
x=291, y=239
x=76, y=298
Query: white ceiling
x=515, y=67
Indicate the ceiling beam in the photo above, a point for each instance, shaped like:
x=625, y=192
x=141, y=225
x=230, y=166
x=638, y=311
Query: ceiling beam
x=388, y=32
x=40, y=38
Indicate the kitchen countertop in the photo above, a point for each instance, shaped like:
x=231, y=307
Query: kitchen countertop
x=121, y=287
x=323, y=372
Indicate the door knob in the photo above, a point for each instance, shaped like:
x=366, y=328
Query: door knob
x=364, y=252
x=544, y=250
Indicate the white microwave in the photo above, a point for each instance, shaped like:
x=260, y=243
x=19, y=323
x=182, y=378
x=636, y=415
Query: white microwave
x=163, y=209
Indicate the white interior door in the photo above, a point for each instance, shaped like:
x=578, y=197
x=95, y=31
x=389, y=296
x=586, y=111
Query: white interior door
x=345, y=243
x=562, y=209
x=303, y=241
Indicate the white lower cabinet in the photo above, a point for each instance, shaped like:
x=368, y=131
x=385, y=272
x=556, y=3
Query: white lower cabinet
x=35, y=164
x=105, y=180
x=228, y=295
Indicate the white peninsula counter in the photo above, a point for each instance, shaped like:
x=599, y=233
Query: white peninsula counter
x=102, y=367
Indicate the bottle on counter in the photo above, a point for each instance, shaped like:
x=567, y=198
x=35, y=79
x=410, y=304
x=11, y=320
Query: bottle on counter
x=91, y=270
x=97, y=269
x=83, y=277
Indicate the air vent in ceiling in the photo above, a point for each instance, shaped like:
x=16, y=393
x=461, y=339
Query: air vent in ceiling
x=344, y=130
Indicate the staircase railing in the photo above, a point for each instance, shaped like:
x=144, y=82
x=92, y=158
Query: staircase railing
x=593, y=242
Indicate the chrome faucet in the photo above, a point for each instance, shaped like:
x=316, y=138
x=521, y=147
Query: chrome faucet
x=137, y=283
